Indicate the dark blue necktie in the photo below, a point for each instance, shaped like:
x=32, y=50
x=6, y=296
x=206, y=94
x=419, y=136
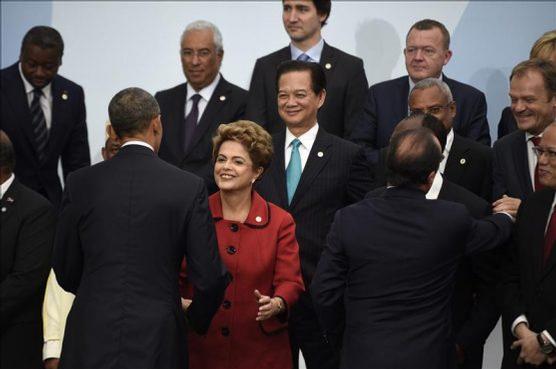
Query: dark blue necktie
x=191, y=122
x=38, y=123
x=304, y=57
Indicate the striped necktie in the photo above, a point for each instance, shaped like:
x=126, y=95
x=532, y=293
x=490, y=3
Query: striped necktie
x=38, y=123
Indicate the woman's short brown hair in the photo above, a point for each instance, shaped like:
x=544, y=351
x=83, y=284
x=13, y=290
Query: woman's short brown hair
x=252, y=136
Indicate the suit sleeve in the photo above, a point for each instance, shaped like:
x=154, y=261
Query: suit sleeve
x=76, y=153
x=32, y=262
x=360, y=178
x=364, y=128
x=478, y=129
x=507, y=123
x=486, y=186
x=328, y=286
x=354, y=97
x=256, y=99
x=205, y=271
x=488, y=233
x=68, y=254
x=498, y=185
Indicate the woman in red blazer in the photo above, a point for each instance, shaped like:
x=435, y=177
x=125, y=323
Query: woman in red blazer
x=257, y=244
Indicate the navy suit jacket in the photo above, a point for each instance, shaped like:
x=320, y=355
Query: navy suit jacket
x=226, y=105
x=125, y=226
x=346, y=85
x=390, y=266
x=336, y=177
x=507, y=123
x=67, y=137
x=386, y=105
x=511, y=174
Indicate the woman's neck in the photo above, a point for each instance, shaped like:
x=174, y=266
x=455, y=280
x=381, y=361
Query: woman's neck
x=236, y=204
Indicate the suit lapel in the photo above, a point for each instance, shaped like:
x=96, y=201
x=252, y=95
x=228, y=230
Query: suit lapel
x=220, y=97
x=328, y=61
x=522, y=164
x=543, y=213
x=59, y=99
x=403, y=105
x=173, y=127
x=7, y=203
x=318, y=157
x=457, y=161
x=278, y=171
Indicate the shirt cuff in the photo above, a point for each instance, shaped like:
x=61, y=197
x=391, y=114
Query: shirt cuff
x=511, y=218
x=550, y=338
x=51, y=349
x=520, y=319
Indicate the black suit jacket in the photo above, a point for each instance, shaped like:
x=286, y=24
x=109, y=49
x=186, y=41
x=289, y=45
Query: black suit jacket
x=469, y=165
x=510, y=167
x=386, y=105
x=338, y=177
x=67, y=136
x=124, y=229
x=346, y=84
x=392, y=268
x=226, y=105
x=507, y=123
x=527, y=287
x=28, y=223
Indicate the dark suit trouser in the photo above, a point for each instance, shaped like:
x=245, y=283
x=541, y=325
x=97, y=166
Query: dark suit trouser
x=21, y=346
x=306, y=335
x=473, y=359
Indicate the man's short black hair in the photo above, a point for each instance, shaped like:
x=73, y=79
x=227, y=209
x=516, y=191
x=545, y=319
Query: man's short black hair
x=433, y=123
x=131, y=111
x=7, y=153
x=318, y=78
x=44, y=37
x=412, y=156
x=323, y=8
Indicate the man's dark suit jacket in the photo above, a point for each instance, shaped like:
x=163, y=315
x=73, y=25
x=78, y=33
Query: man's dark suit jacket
x=338, y=177
x=226, y=105
x=510, y=167
x=346, y=85
x=28, y=223
x=67, y=136
x=386, y=105
x=124, y=228
x=527, y=287
x=469, y=165
x=392, y=268
x=507, y=123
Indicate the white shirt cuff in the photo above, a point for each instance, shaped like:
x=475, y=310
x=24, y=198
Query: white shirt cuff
x=51, y=349
x=520, y=319
x=550, y=338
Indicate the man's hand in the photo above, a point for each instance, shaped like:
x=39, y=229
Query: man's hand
x=51, y=363
x=185, y=303
x=507, y=205
x=530, y=349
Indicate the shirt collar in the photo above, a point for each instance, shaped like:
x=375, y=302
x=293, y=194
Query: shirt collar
x=307, y=139
x=137, y=142
x=4, y=187
x=314, y=53
x=449, y=142
x=529, y=136
x=434, y=191
x=206, y=92
x=46, y=90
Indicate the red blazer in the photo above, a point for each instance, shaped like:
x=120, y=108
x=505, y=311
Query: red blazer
x=261, y=253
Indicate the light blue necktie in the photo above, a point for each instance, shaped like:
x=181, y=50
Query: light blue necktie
x=293, y=171
x=304, y=58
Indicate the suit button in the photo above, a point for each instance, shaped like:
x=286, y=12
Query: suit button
x=226, y=304
x=231, y=250
x=234, y=227
x=225, y=331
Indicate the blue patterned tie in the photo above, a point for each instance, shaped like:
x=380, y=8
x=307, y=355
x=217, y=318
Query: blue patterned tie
x=293, y=171
x=304, y=58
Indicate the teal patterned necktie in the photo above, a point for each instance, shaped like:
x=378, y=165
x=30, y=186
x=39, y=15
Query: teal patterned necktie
x=293, y=171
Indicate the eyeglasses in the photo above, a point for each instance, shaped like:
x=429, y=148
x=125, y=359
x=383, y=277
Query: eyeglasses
x=428, y=51
x=550, y=154
x=432, y=110
x=201, y=54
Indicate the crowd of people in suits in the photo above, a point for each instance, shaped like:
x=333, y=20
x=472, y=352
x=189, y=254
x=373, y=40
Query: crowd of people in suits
x=228, y=228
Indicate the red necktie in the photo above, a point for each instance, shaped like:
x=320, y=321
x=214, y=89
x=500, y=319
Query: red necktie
x=538, y=186
x=550, y=237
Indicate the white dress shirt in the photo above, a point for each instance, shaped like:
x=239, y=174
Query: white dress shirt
x=206, y=94
x=45, y=100
x=446, y=153
x=522, y=318
x=6, y=185
x=313, y=53
x=137, y=142
x=531, y=157
x=307, y=140
x=434, y=191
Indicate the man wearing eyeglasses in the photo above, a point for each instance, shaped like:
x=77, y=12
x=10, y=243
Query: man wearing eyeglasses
x=191, y=112
x=466, y=162
x=529, y=281
x=427, y=52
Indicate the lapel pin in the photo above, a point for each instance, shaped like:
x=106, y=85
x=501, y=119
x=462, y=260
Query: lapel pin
x=3, y=209
x=328, y=65
x=462, y=161
x=222, y=98
x=10, y=199
x=64, y=95
x=320, y=154
x=258, y=219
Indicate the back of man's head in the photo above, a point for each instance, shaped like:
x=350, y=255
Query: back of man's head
x=424, y=120
x=411, y=158
x=7, y=155
x=131, y=111
x=44, y=37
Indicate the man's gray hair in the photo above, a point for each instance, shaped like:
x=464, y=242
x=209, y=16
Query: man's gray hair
x=434, y=82
x=201, y=25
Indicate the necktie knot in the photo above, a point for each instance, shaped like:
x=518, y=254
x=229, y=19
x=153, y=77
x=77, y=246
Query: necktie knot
x=195, y=99
x=295, y=144
x=536, y=140
x=37, y=93
x=304, y=57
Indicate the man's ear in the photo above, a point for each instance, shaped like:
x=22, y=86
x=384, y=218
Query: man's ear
x=157, y=126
